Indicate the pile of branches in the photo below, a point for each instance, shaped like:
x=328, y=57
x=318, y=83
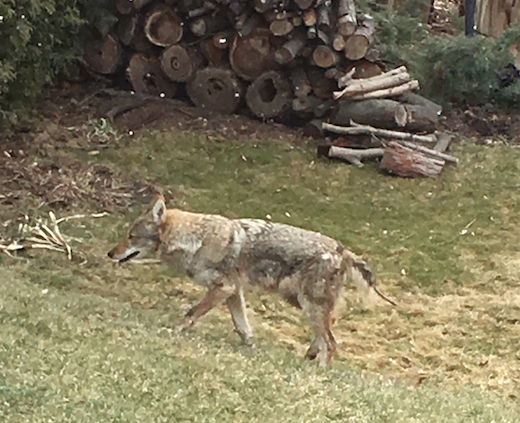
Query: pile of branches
x=280, y=57
x=395, y=130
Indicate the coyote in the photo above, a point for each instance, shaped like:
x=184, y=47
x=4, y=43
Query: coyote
x=226, y=255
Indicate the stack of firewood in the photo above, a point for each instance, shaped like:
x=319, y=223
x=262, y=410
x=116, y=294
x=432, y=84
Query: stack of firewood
x=279, y=56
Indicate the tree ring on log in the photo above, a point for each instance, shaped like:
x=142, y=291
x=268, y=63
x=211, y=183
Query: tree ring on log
x=215, y=89
x=147, y=77
x=163, y=28
x=269, y=95
x=102, y=56
x=177, y=63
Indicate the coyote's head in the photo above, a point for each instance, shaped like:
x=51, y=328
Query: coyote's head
x=142, y=237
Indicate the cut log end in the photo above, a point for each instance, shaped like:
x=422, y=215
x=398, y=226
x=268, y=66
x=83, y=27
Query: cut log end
x=163, y=28
x=178, y=64
x=216, y=90
x=250, y=56
x=269, y=95
x=146, y=77
x=103, y=56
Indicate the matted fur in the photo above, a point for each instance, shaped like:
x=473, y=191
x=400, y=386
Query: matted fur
x=225, y=255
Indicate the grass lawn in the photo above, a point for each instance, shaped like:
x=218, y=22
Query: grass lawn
x=90, y=342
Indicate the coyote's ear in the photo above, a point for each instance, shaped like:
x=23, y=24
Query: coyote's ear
x=159, y=210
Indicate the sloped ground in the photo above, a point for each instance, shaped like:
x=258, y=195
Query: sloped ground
x=86, y=341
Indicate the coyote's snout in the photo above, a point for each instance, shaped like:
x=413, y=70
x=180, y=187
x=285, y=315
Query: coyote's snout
x=225, y=255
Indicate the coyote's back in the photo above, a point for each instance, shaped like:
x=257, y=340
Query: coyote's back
x=308, y=269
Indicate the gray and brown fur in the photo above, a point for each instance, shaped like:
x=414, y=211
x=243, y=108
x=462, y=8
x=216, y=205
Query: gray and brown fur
x=226, y=255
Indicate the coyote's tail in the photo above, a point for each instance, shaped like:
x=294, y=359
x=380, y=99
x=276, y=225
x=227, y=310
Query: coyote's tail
x=363, y=276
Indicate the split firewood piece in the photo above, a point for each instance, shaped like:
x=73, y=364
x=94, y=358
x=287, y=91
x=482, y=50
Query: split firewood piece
x=103, y=56
x=180, y=63
x=162, y=27
x=300, y=82
x=358, y=44
x=208, y=25
x=252, y=55
x=355, y=156
x=362, y=86
x=291, y=49
x=325, y=57
x=347, y=21
x=269, y=95
x=281, y=27
x=408, y=163
x=304, y=4
x=215, y=56
x=389, y=92
x=324, y=20
x=215, y=89
x=385, y=133
x=147, y=77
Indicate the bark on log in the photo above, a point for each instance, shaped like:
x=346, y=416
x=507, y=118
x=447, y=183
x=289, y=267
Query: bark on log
x=366, y=129
x=128, y=29
x=347, y=21
x=409, y=163
x=163, y=28
x=322, y=86
x=418, y=100
x=419, y=119
x=269, y=95
x=387, y=114
x=246, y=23
x=358, y=44
x=180, y=63
x=291, y=49
x=147, y=77
x=252, y=55
x=429, y=152
x=215, y=89
x=354, y=156
x=325, y=57
x=262, y=6
x=103, y=56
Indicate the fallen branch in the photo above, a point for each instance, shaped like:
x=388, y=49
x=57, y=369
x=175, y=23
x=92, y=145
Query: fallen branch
x=347, y=79
x=365, y=86
x=357, y=129
x=354, y=156
x=389, y=92
x=430, y=152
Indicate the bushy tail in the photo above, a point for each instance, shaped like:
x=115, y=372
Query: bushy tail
x=363, y=276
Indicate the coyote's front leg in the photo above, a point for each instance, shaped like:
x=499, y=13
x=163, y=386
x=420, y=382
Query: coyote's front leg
x=216, y=295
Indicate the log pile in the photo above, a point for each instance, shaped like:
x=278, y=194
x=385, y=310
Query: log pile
x=291, y=60
x=282, y=58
